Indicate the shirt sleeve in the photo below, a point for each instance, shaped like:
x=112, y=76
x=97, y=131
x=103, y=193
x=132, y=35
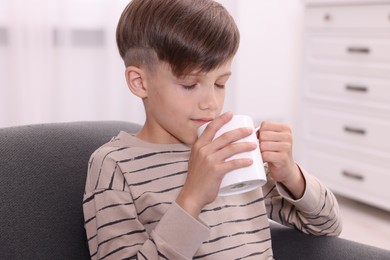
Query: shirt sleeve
x=316, y=212
x=114, y=230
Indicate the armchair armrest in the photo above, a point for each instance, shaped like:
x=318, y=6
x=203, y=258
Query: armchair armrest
x=288, y=243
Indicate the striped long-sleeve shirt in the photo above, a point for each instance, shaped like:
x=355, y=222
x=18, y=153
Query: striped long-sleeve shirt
x=130, y=210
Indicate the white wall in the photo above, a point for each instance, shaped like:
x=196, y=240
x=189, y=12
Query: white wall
x=269, y=59
x=45, y=76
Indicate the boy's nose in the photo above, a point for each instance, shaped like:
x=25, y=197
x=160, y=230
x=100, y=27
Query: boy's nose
x=209, y=99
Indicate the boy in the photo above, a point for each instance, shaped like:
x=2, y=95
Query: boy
x=153, y=195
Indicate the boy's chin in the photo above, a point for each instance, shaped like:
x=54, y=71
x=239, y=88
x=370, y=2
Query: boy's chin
x=189, y=140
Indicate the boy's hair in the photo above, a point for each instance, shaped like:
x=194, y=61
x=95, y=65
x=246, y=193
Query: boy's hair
x=187, y=34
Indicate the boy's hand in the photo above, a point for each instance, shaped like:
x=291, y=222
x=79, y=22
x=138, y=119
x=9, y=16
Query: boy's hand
x=276, y=149
x=207, y=165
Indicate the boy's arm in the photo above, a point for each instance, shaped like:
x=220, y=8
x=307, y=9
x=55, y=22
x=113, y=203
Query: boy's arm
x=114, y=230
x=316, y=212
x=293, y=197
x=117, y=233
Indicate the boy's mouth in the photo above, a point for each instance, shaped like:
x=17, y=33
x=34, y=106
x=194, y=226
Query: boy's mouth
x=203, y=121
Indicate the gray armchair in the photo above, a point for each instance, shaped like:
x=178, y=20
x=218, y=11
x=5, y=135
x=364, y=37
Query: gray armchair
x=42, y=175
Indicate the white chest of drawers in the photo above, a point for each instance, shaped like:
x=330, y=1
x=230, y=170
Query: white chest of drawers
x=344, y=137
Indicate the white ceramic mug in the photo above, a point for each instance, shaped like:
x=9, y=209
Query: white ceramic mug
x=247, y=178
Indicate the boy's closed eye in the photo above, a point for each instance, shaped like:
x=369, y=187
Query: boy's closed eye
x=219, y=85
x=192, y=86
x=192, y=81
x=189, y=86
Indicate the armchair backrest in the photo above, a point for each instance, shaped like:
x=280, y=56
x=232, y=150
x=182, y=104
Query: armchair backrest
x=42, y=176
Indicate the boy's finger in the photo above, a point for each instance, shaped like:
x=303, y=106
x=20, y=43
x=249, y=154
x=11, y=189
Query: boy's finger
x=273, y=126
x=274, y=136
x=213, y=127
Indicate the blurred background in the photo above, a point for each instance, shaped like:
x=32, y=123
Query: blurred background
x=59, y=63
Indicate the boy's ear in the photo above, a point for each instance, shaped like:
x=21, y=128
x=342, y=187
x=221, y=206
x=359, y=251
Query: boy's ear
x=135, y=78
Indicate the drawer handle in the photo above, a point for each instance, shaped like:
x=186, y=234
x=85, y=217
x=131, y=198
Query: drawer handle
x=355, y=88
x=354, y=130
x=327, y=17
x=354, y=176
x=358, y=50
x=3, y=36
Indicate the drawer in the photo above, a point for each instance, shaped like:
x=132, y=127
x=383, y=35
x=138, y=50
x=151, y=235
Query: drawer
x=350, y=49
x=363, y=91
x=349, y=17
x=368, y=70
x=350, y=176
x=351, y=129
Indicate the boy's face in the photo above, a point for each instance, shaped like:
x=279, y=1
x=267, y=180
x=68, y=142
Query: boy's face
x=176, y=107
